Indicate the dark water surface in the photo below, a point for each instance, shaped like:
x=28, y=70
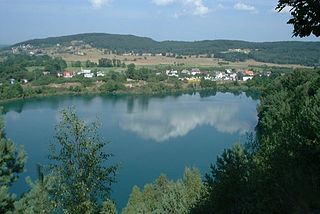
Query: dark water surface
x=149, y=135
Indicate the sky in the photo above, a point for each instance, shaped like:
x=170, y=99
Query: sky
x=187, y=20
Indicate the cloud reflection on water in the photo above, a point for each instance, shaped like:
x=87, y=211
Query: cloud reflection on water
x=163, y=122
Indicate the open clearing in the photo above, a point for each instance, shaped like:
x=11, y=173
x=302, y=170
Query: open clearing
x=188, y=61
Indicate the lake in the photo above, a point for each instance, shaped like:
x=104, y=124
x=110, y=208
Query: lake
x=149, y=135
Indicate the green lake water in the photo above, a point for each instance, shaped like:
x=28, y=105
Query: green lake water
x=149, y=135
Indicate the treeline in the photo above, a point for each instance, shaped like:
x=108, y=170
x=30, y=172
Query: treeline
x=16, y=66
x=276, y=171
x=304, y=53
x=103, y=62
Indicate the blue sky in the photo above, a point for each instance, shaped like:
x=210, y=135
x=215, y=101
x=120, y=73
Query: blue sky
x=250, y=20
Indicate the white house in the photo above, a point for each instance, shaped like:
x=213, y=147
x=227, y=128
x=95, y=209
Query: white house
x=246, y=78
x=233, y=76
x=195, y=71
x=186, y=72
x=25, y=81
x=220, y=75
x=12, y=81
x=100, y=74
x=88, y=75
x=172, y=73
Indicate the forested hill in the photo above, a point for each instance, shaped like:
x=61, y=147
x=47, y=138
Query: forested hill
x=305, y=53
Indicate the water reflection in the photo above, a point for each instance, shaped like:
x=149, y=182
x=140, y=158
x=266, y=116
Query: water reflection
x=158, y=118
x=162, y=121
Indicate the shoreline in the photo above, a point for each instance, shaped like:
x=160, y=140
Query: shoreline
x=220, y=88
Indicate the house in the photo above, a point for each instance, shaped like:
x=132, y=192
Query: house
x=172, y=73
x=220, y=75
x=100, y=74
x=186, y=72
x=248, y=73
x=68, y=74
x=24, y=81
x=267, y=73
x=195, y=71
x=246, y=78
x=233, y=76
x=12, y=81
x=88, y=75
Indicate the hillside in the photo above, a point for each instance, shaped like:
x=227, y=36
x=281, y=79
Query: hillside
x=304, y=53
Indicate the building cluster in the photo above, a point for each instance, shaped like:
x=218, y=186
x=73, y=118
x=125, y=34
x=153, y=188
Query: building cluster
x=83, y=72
x=196, y=74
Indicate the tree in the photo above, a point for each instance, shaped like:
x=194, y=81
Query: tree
x=305, y=16
x=104, y=62
x=83, y=178
x=131, y=70
x=12, y=163
x=76, y=64
x=227, y=182
x=164, y=196
x=37, y=199
x=288, y=148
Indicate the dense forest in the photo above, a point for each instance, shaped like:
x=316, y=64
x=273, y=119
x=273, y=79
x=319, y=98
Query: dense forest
x=304, y=53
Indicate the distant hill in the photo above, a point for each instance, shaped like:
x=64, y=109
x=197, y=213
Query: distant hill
x=305, y=53
x=3, y=46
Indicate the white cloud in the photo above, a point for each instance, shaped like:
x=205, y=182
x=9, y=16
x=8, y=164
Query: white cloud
x=245, y=7
x=196, y=6
x=199, y=9
x=98, y=3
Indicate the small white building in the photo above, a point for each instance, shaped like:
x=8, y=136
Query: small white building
x=246, y=78
x=220, y=75
x=233, y=76
x=195, y=71
x=24, y=81
x=12, y=81
x=186, y=72
x=172, y=73
x=88, y=75
x=100, y=74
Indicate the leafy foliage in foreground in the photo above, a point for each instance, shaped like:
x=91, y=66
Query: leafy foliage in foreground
x=164, y=196
x=12, y=162
x=82, y=177
x=305, y=16
x=279, y=171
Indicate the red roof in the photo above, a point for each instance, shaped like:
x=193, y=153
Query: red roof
x=248, y=72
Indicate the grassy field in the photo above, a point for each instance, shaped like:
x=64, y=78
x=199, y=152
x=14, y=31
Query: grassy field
x=94, y=55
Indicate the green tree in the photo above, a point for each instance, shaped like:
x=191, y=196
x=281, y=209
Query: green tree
x=78, y=163
x=104, y=62
x=131, y=71
x=227, y=183
x=37, y=199
x=288, y=148
x=305, y=16
x=76, y=64
x=164, y=196
x=12, y=162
